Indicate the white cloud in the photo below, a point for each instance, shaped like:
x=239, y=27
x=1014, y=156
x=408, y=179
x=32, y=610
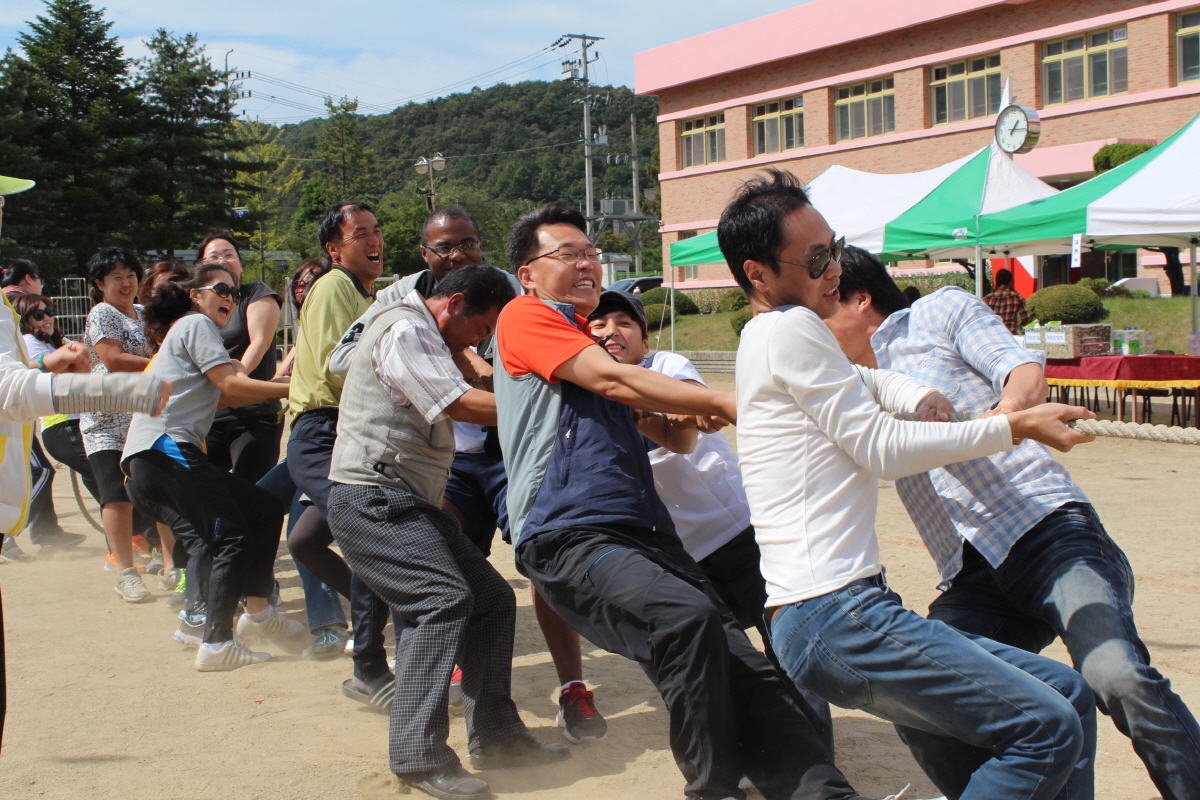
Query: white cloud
x=383, y=52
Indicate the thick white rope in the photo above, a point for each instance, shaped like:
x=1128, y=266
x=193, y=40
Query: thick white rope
x=1107, y=427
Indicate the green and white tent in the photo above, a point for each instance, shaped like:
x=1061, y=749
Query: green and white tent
x=1149, y=201
x=910, y=215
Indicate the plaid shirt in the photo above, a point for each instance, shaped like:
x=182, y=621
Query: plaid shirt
x=951, y=342
x=1011, y=308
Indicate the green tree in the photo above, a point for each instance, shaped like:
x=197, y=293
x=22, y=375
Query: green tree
x=315, y=197
x=81, y=120
x=345, y=154
x=1114, y=155
x=186, y=173
x=265, y=189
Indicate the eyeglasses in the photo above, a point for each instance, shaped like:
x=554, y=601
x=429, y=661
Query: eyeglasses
x=443, y=250
x=569, y=255
x=223, y=290
x=820, y=262
x=228, y=255
x=39, y=314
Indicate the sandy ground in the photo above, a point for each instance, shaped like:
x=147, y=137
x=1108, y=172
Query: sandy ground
x=104, y=704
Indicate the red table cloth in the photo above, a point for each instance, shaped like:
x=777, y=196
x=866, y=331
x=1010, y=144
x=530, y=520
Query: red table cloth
x=1129, y=372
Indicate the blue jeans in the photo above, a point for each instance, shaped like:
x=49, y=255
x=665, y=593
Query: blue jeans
x=858, y=647
x=1066, y=577
x=322, y=605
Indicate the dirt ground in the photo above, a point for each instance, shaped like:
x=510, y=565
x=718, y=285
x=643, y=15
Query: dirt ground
x=104, y=704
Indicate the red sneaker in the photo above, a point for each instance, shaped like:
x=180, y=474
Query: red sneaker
x=577, y=714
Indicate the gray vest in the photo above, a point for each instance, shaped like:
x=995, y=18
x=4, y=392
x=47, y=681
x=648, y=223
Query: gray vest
x=381, y=443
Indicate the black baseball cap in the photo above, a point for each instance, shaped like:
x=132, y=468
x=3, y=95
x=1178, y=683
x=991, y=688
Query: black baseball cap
x=611, y=301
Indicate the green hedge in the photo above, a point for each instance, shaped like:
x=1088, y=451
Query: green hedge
x=740, y=318
x=1103, y=288
x=657, y=316
x=684, y=305
x=734, y=299
x=1070, y=305
x=932, y=281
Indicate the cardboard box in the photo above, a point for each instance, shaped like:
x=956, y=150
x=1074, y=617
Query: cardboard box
x=1070, y=341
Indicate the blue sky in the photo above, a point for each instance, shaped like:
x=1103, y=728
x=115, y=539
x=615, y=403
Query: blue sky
x=384, y=53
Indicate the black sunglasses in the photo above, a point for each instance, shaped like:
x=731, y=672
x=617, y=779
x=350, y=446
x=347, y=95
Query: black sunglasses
x=820, y=262
x=39, y=314
x=223, y=289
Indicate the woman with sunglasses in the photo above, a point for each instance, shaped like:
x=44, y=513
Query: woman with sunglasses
x=42, y=338
x=117, y=342
x=246, y=440
x=167, y=467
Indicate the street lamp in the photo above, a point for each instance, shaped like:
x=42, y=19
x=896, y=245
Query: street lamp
x=429, y=166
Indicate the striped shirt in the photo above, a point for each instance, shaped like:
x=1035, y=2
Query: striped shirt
x=953, y=343
x=413, y=362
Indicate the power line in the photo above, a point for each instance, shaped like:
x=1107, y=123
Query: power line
x=411, y=159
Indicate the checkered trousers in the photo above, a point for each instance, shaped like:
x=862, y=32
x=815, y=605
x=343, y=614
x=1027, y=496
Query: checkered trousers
x=414, y=556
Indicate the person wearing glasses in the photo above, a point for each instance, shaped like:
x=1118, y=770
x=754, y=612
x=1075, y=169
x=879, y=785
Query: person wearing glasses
x=164, y=458
x=476, y=494
x=42, y=338
x=246, y=440
x=814, y=439
x=595, y=539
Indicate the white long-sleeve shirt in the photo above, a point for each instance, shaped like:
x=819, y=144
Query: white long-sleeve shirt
x=813, y=441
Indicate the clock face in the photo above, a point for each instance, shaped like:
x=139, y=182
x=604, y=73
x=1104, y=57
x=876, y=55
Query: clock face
x=1017, y=129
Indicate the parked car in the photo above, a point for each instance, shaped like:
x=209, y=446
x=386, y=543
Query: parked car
x=637, y=285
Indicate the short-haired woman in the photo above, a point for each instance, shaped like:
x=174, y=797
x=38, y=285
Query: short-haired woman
x=167, y=467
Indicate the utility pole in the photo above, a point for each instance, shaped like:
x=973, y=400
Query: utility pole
x=637, y=200
x=568, y=66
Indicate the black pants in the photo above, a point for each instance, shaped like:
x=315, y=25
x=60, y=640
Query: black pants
x=637, y=593
x=245, y=441
x=64, y=443
x=43, y=521
x=309, y=454
x=455, y=606
x=238, y=522
x=735, y=572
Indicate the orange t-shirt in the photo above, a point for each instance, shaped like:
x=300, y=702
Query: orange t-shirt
x=533, y=337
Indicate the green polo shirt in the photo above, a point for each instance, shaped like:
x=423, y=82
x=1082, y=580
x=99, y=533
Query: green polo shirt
x=331, y=307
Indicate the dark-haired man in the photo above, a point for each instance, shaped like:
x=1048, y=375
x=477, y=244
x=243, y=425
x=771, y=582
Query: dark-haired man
x=1022, y=554
x=598, y=544
x=350, y=235
x=1006, y=302
x=813, y=441
x=395, y=444
x=476, y=494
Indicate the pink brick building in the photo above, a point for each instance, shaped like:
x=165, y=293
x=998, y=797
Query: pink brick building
x=895, y=86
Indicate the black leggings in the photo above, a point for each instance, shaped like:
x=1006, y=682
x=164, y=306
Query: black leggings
x=238, y=522
x=246, y=442
x=309, y=542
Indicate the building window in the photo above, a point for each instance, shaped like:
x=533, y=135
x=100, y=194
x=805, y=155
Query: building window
x=779, y=126
x=703, y=140
x=1188, y=32
x=965, y=89
x=691, y=272
x=866, y=109
x=1091, y=65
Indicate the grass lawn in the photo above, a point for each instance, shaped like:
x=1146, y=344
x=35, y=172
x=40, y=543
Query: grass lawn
x=700, y=332
x=1168, y=318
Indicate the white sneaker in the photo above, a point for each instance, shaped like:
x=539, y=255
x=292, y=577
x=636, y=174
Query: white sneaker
x=130, y=587
x=276, y=627
x=226, y=656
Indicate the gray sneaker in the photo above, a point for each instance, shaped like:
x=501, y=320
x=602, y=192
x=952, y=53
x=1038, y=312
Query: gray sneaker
x=14, y=553
x=168, y=579
x=130, y=587
x=191, y=629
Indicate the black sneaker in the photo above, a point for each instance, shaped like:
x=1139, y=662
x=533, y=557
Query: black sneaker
x=577, y=715
x=62, y=540
x=329, y=644
x=519, y=750
x=449, y=783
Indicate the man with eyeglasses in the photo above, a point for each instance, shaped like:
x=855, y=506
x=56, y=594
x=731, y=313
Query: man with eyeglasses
x=814, y=440
x=599, y=545
x=476, y=494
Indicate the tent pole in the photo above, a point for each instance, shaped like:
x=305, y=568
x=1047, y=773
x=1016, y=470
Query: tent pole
x=672, y=309
x=978, y=270
x=1195, y=299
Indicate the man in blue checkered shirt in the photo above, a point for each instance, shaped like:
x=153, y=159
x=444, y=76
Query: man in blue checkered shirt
x=1022, y=554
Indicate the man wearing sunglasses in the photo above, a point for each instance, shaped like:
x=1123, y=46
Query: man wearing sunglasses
x=813, y=442
x=599, y=545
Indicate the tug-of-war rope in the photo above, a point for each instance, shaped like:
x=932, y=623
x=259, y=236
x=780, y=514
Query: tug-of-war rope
x=1107, y=427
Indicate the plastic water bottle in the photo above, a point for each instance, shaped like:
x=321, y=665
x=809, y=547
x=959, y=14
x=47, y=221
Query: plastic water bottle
x=1194, y=343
